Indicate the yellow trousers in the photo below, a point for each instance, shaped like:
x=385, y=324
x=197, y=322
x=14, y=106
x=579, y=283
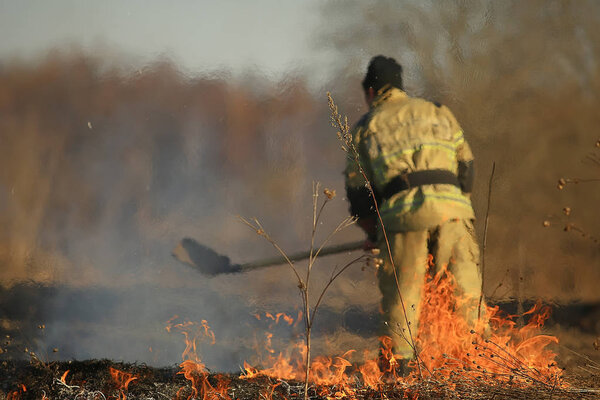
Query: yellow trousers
x=452, y=244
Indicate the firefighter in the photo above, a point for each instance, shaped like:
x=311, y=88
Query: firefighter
x=414, y=154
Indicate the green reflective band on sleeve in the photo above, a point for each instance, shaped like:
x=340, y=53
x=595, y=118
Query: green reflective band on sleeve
x=459, y=137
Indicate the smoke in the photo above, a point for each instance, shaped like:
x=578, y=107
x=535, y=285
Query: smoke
x=104, y=171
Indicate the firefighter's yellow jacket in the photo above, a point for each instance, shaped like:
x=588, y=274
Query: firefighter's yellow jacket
x=401, y=135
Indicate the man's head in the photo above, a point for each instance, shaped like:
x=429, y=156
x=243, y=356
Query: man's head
x=382, y=71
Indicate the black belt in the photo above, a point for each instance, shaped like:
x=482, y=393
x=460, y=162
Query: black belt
x=419, y=178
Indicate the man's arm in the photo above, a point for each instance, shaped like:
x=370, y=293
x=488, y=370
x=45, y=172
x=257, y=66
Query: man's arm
x=363, y=207
x=464, y=157
x=361, y=201
x=466, y=175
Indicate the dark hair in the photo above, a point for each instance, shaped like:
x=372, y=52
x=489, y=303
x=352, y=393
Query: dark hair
x=383, y=71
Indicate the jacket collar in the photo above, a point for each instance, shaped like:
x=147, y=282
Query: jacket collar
x=388, y=93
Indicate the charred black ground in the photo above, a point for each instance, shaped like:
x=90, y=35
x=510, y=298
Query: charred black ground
x=92, y=380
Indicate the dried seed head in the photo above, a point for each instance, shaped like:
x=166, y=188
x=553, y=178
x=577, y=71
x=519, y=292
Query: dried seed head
x=330, y=194
x=546, y=224
x=377, y=262
x=375, y=251
x=567, y=210
x=568, y=227
x=598, y=143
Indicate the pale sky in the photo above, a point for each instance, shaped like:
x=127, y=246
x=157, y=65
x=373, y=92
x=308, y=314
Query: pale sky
x=269, y=35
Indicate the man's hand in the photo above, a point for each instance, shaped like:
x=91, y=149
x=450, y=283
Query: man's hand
x=369, y=225
x=369, y=245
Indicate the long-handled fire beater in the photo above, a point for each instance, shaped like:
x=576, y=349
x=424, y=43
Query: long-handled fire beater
x=207, y=261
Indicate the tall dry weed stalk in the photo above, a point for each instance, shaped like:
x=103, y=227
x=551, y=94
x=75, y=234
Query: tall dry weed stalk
x=304, y=281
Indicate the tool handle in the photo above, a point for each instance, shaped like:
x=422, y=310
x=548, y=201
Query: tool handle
x=335, y=249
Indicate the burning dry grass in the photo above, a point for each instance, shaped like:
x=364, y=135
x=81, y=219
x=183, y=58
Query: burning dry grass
x=454, y=362
x=507, y=362
x=92, y=380
x=511, y=362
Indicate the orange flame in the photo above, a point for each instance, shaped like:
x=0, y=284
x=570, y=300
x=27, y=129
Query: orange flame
x=371, y=373
x=16, y=394
x=494, y=349
x=192, y=367
x=121, y=379
x=498, y=351
x=289, y=363
x=267, y=394
x=63, y=378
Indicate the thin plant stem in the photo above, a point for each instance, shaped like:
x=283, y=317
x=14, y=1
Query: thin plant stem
x=485, y=230
x=303, y=284
x=333, y=278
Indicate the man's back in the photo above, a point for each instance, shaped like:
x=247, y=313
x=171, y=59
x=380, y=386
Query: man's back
x=402, y=135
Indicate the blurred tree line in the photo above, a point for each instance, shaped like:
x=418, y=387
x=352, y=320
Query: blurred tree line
x=102, y=167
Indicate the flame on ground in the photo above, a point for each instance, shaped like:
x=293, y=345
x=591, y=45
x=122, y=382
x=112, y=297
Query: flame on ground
x=450, y=351
x=192, y=367
x=63, y=378
x=122, y=380
x=16, y=394
x=494, y=349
